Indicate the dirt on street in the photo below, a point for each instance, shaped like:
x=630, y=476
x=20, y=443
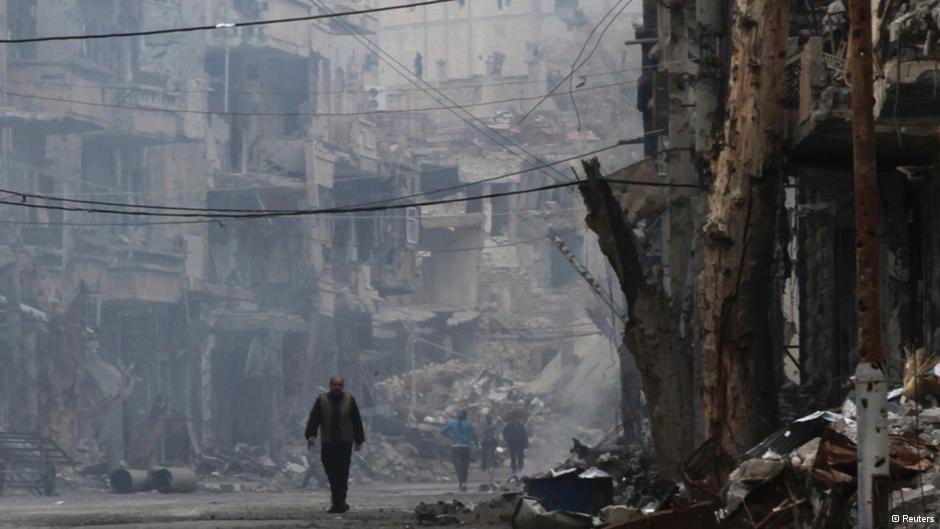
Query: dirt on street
x=377, y=506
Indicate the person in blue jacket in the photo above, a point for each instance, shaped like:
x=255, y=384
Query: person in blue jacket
x=461, y=431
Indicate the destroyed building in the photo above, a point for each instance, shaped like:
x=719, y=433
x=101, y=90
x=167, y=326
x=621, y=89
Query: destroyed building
x=198, y=330
x=140, y=338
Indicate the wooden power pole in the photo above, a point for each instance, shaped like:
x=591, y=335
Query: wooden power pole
x=870, y=385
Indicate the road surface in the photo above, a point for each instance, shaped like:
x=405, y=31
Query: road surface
x=377, y=506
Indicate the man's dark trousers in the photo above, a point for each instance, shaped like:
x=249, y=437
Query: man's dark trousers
x=516, y=459
x=336, y=458
x=461, y=456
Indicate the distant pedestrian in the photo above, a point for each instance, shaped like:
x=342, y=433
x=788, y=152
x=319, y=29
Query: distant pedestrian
x=419, y=65
x=488, y=444
x=463, y=434
x=336, y=415
x=517, y=441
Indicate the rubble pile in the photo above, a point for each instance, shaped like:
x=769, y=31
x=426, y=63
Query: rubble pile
x=632, y=468
x=441, y=390
x=917, y=22
x=385, y=458
x=803, y=475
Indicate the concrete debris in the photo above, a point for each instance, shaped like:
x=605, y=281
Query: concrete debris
x=442, y=513
x=618, y=514
x=531, y=514
x=916, y=21
x=747, y=477
x=805, y=456
x=800, y=476
x=922, y=377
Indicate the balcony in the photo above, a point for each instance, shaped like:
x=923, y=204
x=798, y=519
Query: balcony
x=145, y=114
x=52, y=96
x=820, y=109
x=148, y=270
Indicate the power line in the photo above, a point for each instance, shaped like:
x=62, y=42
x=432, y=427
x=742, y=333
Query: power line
x=597, y=43
x=293, y=114
x=304, y=212
x=329, y=243
x=25, y=195
x=437, y=250
x=322, y=92
x=574, y=70
x=653, y=184
x=285, y=213
x=224, y=25
x=412, y=78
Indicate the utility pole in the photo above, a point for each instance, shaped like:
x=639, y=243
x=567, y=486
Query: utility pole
x=870, y=387
x=677, y=162
x=708, y=16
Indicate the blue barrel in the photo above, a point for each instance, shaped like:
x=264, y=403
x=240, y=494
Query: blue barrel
x=571, y=493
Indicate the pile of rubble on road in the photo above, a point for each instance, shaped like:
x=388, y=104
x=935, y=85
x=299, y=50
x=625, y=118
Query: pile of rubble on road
x=383, y=458
x=801, y=476
x=427, y=397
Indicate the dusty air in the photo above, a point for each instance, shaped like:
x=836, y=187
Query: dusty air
x=527, y=264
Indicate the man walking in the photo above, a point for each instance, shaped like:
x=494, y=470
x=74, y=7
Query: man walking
x=517, y=440
x=336, y=416
x=488, y=445
x=463, y=435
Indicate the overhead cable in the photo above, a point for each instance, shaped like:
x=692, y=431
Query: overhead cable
x=417, y=81
x=25, y=195
x=247, y=214
x=223, y=25
x=281, y=213
x=468, y=87
x=573, y=70
x=292, y=114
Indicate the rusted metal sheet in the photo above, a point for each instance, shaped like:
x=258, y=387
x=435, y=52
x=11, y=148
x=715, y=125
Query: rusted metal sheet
x=837, y=458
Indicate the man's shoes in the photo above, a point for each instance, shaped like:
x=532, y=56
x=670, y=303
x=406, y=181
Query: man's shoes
x=343, y=508
x=333, y=510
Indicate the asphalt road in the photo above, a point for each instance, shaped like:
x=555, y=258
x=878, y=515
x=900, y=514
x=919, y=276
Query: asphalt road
x=377, y=506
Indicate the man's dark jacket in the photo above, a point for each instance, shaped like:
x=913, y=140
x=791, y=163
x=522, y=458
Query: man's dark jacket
x=515, y=436
x=337, y=419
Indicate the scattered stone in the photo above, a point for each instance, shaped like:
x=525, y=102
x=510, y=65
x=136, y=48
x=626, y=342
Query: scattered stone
x=617, y=514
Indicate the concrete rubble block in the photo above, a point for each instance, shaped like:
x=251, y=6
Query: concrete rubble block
x=747, y=477
x=442, y=512
x=617, y=514
x=805, y=456
x=930, y=416
x=531, y=514
x=407, y=451
x=916, y=500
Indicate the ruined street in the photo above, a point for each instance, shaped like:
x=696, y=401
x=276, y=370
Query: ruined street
x=540, y=264
x=387, y=506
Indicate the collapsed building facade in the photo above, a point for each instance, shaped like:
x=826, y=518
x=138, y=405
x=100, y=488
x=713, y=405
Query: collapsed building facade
x=206, y=334
x=751, y=299
x=144, y=338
